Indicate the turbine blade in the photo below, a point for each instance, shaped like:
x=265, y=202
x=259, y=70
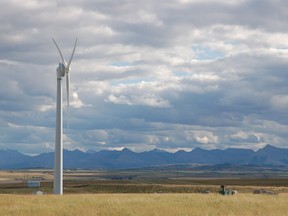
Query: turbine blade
x=70, y=60
x=63, y=60
x=68, y=96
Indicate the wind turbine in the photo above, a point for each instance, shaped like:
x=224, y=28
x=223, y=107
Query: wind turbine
x=62, y=70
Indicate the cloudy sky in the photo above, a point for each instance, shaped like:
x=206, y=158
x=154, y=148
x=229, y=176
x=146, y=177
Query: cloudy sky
x=173, y=74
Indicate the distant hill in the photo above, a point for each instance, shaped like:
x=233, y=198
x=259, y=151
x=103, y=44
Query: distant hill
x=269, y=155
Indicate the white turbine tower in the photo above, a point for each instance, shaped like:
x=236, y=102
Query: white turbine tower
x=62, y=70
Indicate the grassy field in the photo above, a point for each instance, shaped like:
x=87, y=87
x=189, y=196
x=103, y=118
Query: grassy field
x=144, y=204
x=115, y=193
x=99, y=181
x=151, y=186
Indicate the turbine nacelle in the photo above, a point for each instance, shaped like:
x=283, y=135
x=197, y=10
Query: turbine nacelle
x=61, y=70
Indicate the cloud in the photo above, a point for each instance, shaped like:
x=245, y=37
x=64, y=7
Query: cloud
x=242, y=136
x=146, y=100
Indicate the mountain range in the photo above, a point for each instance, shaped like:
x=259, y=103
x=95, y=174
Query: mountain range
x=269, y=155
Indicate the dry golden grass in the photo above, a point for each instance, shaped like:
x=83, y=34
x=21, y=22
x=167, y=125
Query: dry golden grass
x=144, y=204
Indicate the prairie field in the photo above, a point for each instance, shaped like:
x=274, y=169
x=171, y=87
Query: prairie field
x=116, y=193
x=132, y=181
x=144, y=204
